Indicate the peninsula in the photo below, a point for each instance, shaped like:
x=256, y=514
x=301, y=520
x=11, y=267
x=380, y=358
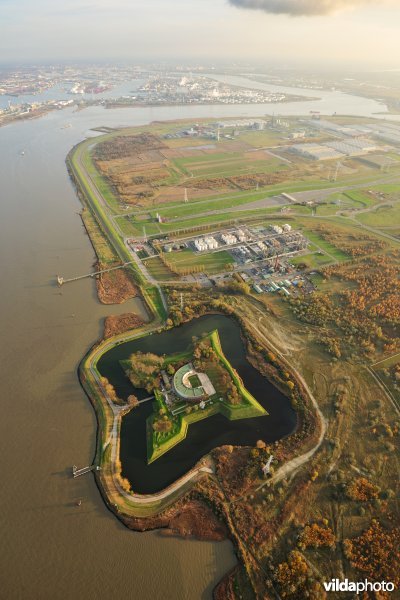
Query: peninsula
x=267, y=266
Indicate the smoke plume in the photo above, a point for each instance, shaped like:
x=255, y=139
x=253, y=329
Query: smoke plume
x=298, y=7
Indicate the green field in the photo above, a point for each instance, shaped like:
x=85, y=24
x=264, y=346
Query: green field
x=136, y=229
x=213, y=262
x=132, y=228
x=259, y=139
x=359, y=197
x=325, y=246
x=387, y=188
x=352, y=199
x=228, y=164
x=99, y=181
x=381, y=217
x=158, y=270
x=312, y=261
x=154, y=302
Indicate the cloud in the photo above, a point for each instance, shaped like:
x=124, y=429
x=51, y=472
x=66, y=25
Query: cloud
x=299, y=7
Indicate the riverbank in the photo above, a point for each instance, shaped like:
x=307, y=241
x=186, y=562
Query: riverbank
x=132, y=508
x=115, y=287
x=189, y=517
x=8, y=119
x=117, y=324
x=126, y=104
x=92, y=199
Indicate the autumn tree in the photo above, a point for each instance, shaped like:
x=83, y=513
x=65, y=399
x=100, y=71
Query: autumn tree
x=315, y=535
x=362, y=490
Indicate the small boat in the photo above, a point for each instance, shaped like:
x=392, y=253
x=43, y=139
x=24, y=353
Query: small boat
x=22, y=153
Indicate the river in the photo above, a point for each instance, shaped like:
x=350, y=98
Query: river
x=52, y=549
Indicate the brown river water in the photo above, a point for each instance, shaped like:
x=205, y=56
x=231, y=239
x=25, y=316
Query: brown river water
x=50, y=548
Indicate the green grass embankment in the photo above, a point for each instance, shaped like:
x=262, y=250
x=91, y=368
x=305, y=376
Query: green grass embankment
x=178, y=435
x=151, y=295
x=253, y=408
x=97, y=209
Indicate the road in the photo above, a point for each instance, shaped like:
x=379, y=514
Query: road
x=118, y=412
x=93, y=188
x=268, y=201
x=294, y=464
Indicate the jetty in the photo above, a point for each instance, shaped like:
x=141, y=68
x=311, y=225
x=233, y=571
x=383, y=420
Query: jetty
x=78, y=472
x=61, y=280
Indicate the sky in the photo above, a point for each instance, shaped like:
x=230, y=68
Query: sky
x=342, y=33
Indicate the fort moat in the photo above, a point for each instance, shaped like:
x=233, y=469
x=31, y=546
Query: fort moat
x=203, y=436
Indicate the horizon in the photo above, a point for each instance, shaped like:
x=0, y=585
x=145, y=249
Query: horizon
x=212, y=30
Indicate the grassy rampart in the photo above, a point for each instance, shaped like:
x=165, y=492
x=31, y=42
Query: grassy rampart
x=251, y=408
x=247, y=409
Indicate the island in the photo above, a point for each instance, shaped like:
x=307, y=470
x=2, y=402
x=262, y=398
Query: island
x=188, y=388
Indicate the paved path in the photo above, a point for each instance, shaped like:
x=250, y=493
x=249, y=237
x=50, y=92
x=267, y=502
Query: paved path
x=298, y=461
x=113, y=439
x=93, y=188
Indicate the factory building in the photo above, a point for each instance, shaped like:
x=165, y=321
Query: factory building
x=211, y=242
x=296, y=135
x=352, y=147
x=241, y=235
x=208, y=243
x=200, y=245
x=229, y=239
x=353, y=131
x=316, y=151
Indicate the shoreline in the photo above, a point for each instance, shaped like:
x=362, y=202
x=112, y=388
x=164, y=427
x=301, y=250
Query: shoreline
x=292, y=100
x=146, y=512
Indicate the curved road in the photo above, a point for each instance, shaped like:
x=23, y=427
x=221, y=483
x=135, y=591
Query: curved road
x=118, y=412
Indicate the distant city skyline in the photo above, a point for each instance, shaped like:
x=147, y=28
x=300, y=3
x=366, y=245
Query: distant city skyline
x=355, y=33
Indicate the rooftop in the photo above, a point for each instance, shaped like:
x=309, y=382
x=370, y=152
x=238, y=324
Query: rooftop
x=184, y=387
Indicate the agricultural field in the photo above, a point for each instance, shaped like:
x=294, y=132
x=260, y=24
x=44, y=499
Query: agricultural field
x=211, y=263
x=145, y=170
x=159, y=270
